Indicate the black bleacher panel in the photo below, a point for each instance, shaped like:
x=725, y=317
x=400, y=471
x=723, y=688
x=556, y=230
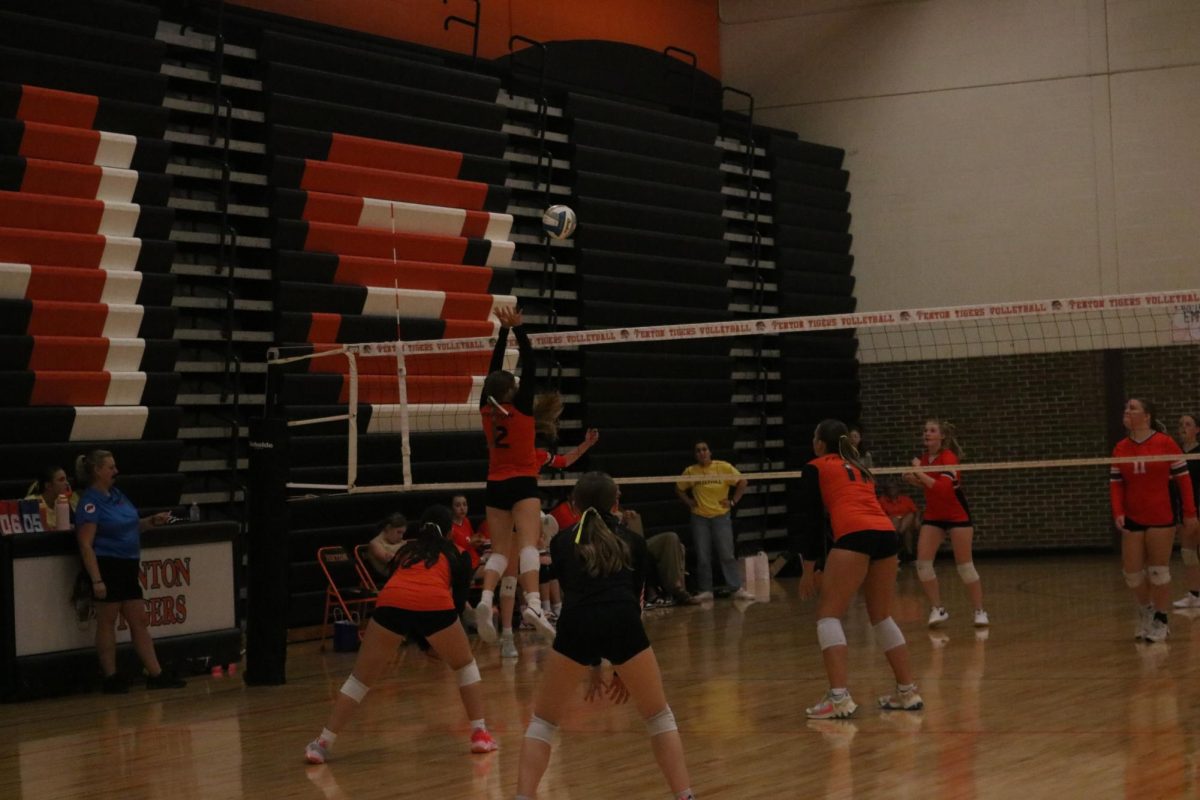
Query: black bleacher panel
x=151, y=189
x=390, y=474
x=598, y=363
x=582, y=106
x=638, y=142
x=85, y=77
x=674, y=442
x=291, y=296
x=627, y=315
x=657, y=390
x=139, y=458
x=17, y=352
x=298, y=112
x=605, y=237
x=684, y=414
x=791, y=280
x=321, y=85
x=384, y=447
x=592, y=159
x=115, y=116
x=835, y=368
x=816, y=408
x=643, y=463
x=304, y=51
x=815, y=196
x=790, y=148
x=137, y=19
x=607, y=187
x=149, y=155
x=38, y=424
x=826, y=388
x=811, y=217
x=625, y=290
x=649, y=218
x=813, y=261
x=796, y=305
x=612, y=264
x=835, y=344
x=60, y=38
x=812, y=239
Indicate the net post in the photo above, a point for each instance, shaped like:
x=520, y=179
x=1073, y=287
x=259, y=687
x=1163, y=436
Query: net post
x=405, y=441
x=352, y=433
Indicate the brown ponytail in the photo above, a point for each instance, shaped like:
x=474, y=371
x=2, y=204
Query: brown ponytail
x=602, y=551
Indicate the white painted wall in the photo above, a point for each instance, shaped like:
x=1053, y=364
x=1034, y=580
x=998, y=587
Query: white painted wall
x=998, y=149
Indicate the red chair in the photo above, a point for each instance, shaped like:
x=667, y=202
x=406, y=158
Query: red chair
x=346, y=587
x=361, y=559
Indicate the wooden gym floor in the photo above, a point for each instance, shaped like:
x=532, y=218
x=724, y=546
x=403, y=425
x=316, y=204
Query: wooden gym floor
x=1055, y=701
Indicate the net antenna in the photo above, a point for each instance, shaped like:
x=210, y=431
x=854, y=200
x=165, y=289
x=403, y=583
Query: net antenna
x=997, y=329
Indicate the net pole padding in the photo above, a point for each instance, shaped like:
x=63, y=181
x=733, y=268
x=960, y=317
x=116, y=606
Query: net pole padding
x=405, y=444
x=911, y=318
x=785, y=474
x=352, y=433
x=298, y=423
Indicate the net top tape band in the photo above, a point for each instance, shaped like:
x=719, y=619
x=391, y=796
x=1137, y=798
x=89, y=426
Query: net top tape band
x=1186, y=302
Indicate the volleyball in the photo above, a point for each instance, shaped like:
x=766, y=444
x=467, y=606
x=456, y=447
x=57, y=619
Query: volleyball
x=558, y=222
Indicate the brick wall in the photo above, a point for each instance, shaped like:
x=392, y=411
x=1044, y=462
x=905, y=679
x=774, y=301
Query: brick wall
x=1021, y=408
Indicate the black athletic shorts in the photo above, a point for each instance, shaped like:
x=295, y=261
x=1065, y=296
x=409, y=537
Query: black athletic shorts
x=947, y=524
x=1133, y=526
x=411, y=624
x=543, y=573
x=586, y=635
x=120, y=576
x=874, y=544
x=507, y=493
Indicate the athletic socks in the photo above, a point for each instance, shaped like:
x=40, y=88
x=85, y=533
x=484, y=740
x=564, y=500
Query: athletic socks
x=838, y=694
x=556, y=608
x=906, y=687
x=477, y=724
x=328, y=737
x=534, y=600
x=487, y=596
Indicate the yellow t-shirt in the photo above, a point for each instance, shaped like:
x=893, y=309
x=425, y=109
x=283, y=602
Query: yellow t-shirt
x=708, y=495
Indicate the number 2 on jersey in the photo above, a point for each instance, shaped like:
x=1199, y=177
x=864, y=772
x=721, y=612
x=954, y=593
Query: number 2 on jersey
x=499, y=434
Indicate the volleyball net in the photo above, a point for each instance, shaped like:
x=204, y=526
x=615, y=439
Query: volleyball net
x=1029, y=384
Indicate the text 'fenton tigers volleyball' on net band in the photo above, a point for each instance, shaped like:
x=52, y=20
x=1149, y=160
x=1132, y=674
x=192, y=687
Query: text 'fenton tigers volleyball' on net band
x=423, y=386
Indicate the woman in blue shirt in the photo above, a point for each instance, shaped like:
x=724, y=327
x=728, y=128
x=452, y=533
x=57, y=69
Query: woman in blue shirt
x=109, y=531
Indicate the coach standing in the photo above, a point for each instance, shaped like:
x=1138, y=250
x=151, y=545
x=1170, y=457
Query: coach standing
x=712, y=525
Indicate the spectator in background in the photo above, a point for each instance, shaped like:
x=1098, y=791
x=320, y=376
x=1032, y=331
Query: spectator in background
x=864, y=451
x=566, y=513
x=666, y=577
x=383, y=548
x=712, y=523
x=109, y=531
x=903, y=513
x=47, y=489
x=461, y=531
x=1189, y=542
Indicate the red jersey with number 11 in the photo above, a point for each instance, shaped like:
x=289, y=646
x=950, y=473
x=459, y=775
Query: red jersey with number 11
x=1141, y=491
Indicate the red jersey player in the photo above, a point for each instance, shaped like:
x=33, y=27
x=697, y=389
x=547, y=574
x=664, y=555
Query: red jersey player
x=1141, y=506
x=863, y=555
x=945, y=512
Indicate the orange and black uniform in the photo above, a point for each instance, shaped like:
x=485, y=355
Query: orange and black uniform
x=423, y=598
x=945, y=504
x=1141, y=492
x=513, y=462
x=832, y=486
x=601, y=616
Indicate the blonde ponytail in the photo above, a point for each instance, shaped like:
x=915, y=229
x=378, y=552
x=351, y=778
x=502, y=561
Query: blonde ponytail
x=601, y=550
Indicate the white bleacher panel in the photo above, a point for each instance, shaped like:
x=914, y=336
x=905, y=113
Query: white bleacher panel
x=116, y=185
x=103, y=423
x=119, y=219
x=115, y=150
x=123, y=321
x=500, y=254
x=120, y=252
x=125, y=388
x=124, y=355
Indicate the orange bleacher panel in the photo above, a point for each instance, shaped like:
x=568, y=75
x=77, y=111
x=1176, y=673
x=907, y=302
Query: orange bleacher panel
x=75, y=215
x=389, y=274
x=56, y=318
x=82, y=146
x=319, y=389
x=56, y=248
x=55, y=388
x=87, y=354
x=80, y=109
x=405, y=303
x=392, y=215
x=84, y=181
x=350, y=240
x=33, y=282
x=388, y=157
x=320, y=328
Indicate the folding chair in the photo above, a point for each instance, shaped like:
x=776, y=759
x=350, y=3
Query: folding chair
x=346, y=587
x=365, y=568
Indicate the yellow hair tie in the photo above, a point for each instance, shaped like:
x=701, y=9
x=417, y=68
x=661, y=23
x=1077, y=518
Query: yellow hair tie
x=582, y=517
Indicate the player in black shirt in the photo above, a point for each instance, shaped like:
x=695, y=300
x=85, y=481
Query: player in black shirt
x=601, y=567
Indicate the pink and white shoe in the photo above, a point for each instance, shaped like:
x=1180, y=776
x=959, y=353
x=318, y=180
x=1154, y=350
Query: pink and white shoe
x=316, y=751
x=482, y=741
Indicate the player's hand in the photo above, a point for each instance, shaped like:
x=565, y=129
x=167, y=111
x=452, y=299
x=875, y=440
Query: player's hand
x=509, y=316
x=916, y=462
x=596, y=685
x=628, y=516
x=161, y=518
x=1119, y=521
x=99, y=590
x=618, y=693
x=592, y=436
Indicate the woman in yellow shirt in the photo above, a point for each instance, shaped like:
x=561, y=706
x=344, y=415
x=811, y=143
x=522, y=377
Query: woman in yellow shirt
x=712, y=526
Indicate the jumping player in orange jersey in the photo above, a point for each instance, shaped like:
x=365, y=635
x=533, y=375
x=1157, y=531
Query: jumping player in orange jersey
x=512, y=501
x=1141, y=505
x=423, y=598
x=945, y=512
x=602, y=568
x=863, y=555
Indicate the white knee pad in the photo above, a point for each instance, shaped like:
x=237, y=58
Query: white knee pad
x=508, y=586
x=967, y=572
x=530, y=559
x=468, y=674
x=540, y=730
x=1159, y=575
x=830, y=633
x=662, y=722
x=1134, y=579
x=925, y=570
x=497, y=562
x=1190, y=557
x=355, y=689
x=888, y=635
